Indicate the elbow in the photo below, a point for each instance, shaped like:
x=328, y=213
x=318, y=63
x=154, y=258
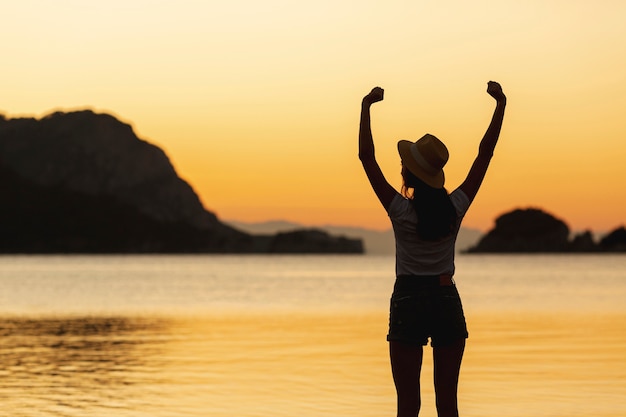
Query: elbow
x=366, y=158
x=485, y=155
x=486, y=149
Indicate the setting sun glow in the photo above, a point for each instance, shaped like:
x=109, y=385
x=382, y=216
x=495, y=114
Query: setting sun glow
x=257, y=103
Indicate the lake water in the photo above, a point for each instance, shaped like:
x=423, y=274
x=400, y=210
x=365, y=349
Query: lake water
x=293, y=336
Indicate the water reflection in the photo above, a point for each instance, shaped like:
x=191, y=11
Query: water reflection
x=61, y=366
x=289, y=363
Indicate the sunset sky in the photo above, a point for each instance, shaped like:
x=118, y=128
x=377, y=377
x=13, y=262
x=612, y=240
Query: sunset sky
x=257, y=102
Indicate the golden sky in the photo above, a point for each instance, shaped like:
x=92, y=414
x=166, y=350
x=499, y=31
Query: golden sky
x=257, y=102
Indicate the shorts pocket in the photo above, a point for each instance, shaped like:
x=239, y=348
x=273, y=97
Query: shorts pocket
x=451, y=319
x=401, y=310
x=409, y=318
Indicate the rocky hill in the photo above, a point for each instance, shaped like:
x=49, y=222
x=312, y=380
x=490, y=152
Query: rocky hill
x=84, y=182
x=376, y=242
x=614, y=241
x=532, y=230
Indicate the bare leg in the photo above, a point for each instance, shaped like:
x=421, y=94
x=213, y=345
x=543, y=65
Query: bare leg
x=406, y=365
x=447, y=365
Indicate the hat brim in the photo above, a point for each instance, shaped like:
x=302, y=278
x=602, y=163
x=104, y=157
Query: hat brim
x=435, y=181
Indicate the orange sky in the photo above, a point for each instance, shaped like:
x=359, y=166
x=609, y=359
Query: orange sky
x=257, y=103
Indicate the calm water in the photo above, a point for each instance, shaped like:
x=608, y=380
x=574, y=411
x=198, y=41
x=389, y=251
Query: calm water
x=299, y=336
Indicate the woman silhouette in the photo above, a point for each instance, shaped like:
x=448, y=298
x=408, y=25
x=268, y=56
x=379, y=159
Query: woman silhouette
x=426, y=219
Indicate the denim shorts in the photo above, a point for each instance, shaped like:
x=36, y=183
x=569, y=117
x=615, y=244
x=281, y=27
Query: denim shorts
x=421, y=308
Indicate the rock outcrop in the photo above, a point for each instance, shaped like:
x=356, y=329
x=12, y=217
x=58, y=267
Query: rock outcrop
x=614, y=241
x=313, y=241
x=84, y=182
x=532, y=230
x=525, y=230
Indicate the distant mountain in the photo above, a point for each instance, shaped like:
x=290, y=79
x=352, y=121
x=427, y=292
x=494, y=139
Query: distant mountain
x=84, y=182
x=375, y=241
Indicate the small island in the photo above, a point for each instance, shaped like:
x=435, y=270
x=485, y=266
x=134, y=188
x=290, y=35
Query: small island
x=532, y=230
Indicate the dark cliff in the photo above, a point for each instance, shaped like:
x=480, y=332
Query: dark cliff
x=84, y=182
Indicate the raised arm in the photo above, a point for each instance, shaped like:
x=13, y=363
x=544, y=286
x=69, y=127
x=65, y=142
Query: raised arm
x=485, y=151
x=384, y=191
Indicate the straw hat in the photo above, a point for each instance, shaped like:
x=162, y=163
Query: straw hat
x=425, y=159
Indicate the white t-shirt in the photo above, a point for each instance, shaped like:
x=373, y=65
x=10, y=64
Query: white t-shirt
x=415, y=256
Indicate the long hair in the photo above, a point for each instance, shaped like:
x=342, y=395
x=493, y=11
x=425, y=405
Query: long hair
x=436, y=216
